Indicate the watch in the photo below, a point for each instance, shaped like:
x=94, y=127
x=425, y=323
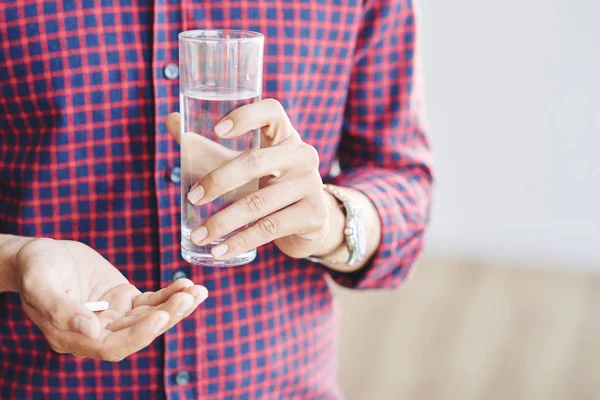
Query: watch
x=354, y=231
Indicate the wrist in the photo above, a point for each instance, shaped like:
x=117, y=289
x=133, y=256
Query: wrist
x=360, y=231
x=10, y=246
x=335, y=239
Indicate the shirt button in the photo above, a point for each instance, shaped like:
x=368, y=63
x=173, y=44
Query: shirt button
x=182, y=378
x=175, y=175
x=179, y=275
x=171, y=71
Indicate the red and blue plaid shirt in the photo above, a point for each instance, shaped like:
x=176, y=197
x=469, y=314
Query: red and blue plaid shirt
x=85, y=86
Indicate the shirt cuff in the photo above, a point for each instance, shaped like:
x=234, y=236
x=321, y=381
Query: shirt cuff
x=403, y=213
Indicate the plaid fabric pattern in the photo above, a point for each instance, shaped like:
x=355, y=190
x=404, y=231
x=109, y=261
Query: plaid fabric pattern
x=85, y=155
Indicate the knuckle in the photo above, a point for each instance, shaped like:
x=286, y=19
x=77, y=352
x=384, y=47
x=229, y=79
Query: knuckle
x=317, y=181
x=28, y=282
x=254, y=202
x=251, y=159
x=274, y=103
x=319, y=214
x=241, y=241
x=310, y=156
x=44, y=241
x=216, y=226
x=211, y=182
x=267, y=228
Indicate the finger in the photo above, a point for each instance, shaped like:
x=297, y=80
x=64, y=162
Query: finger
x=253, y=164
x=296, y=219
x=156, y=298
x=179, y=305
x=172, y=122
x=120, y=298
x=139, y=310
x=254, y=206
x=172, y=305
x=176, y=309
x=114, y=346
x=108, y=317
x=267, y=114
x=199, y=293
x=62, y=311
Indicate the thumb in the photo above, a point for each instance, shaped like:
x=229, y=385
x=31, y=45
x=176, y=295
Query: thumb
x=60, y=310
x=172, y=123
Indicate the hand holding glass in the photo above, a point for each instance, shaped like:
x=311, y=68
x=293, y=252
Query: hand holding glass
x=221, y=70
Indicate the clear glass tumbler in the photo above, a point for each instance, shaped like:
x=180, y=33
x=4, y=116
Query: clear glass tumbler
x=220, y=70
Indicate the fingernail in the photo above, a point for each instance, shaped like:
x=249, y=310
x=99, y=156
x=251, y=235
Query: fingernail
x=199, y=234
x=186, y=283
x=223, y=127
x=160, y=323
x=84, y=326
x=202, y=294
x=196, y=194
x=184, y=306
x=219, y=250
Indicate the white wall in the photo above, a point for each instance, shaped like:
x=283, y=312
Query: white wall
x=513, y=98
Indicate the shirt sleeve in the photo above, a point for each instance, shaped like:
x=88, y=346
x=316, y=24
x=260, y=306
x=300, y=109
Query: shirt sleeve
x=384, y=151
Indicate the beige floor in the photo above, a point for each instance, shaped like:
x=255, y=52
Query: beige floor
x=474, y=331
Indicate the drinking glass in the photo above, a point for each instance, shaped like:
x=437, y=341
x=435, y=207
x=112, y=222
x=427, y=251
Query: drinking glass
x=220, y=70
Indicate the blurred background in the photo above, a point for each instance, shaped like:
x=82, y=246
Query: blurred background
x=504, y=302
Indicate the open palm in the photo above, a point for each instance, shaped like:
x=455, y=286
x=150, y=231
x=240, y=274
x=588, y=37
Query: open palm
x=56, y=278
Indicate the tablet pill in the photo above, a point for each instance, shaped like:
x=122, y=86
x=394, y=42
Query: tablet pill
x=97, y=305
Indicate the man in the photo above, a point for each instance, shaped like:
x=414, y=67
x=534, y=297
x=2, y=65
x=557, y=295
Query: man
x=89, y=197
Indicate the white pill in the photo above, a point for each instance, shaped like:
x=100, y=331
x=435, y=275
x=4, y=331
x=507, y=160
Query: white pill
x=97, y=305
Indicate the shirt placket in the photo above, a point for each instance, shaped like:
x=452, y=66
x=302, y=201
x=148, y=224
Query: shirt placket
x=180, y=361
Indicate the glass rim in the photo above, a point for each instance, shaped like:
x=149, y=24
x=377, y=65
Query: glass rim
x=191, y=35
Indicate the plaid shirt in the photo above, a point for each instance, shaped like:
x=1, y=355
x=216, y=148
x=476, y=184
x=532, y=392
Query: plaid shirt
x=85, y=87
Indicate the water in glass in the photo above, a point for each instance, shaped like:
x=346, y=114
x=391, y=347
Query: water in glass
x=201, y=152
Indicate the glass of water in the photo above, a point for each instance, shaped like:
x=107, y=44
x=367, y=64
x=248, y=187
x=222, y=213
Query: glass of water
x=220, y=70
